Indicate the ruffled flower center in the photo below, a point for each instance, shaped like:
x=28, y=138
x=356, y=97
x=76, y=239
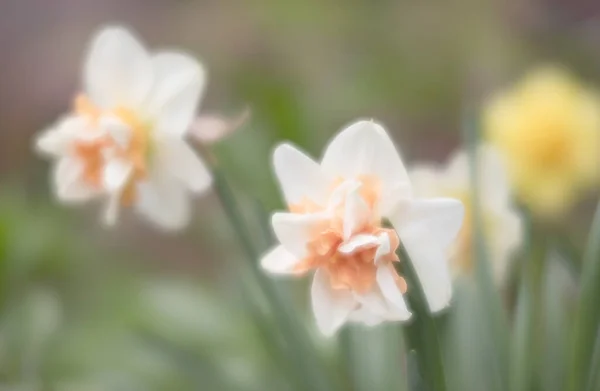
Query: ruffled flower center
x=350, y=263
x=96, y=150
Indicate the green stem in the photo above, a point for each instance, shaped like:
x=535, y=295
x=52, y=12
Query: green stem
x=528, y=323
x=422, y=334
x=300, y=348
x=588, y=315
x=496, y=317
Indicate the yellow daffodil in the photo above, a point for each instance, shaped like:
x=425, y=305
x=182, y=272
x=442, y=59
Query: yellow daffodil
x=548, y=130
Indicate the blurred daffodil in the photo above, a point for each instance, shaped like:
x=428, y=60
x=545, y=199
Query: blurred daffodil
x=335, y=227
x=548, y=130
x=502, y=224
x=124, y=139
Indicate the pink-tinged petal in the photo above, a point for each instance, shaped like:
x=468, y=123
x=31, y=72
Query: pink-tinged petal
x=392, y=294
x=279, y=261
x=182, y=162
x=68, y=183
x=179, y=82
x=356, y=213
x=358, y=242
x=364, y=148
x=294, y=231
x=426, y=229
x=118, y=71
x=163, y=200
x=208, y=129
x=299, y=176
x=330, y=307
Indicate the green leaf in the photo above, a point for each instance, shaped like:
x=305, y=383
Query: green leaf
x=588, y=313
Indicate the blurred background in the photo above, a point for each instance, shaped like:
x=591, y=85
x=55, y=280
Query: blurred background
x=85, y=308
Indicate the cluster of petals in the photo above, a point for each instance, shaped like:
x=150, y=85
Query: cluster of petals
x=335, y=227
x=124, y=141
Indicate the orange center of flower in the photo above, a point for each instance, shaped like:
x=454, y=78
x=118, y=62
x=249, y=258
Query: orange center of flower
x=355, y=270
x=92, y=152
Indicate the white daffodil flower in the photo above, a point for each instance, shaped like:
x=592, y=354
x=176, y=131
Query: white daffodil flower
x=124, y=139
x=335, y=227
x=502, y=223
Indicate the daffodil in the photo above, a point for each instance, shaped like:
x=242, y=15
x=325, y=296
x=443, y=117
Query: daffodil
x=124, y=140
x=335, y=227
x=501, y=221
x=548, y=130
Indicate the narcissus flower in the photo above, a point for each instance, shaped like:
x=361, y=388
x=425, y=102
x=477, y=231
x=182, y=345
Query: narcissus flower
x=335, y=227
x=501, y=222
x=548, y=130
x=124, y=139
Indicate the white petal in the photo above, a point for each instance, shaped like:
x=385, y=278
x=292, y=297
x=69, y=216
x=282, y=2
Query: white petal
x=426, y=229
x=118, y=71
x=374, y=302
x=358, y=241
x=366, y=316
x=364, y=148
x=116, y=174
x=295, y=230
x=179, y=81
x=57, y=140
x=493, y=180
x=68, y=183
x=183, y=163
x=163, y=200
x=391, y=293
x=356, y=214
x=118, y=130
x=438, y=219
x=299, y=176
x=279, y=261
x=425, y=180
x=331, y=307
x=52, y=142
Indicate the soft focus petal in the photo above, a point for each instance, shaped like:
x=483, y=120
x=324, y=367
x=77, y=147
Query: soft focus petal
x=117, y=129
x=118, y=71
x=356, y=214
x=295, y=230
x=57, y=140
x=426, y=229
x=69, y=186
x=364, y=148
x=331, y=307
x=391, y=292
x=164, y=201
x=208, y=129
x=299, y=176
x=116, y=174
x=493, y=180
x=180, y=160
x=365, y=316
x=279, y=261
x=179, y=81
x=439, y=219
